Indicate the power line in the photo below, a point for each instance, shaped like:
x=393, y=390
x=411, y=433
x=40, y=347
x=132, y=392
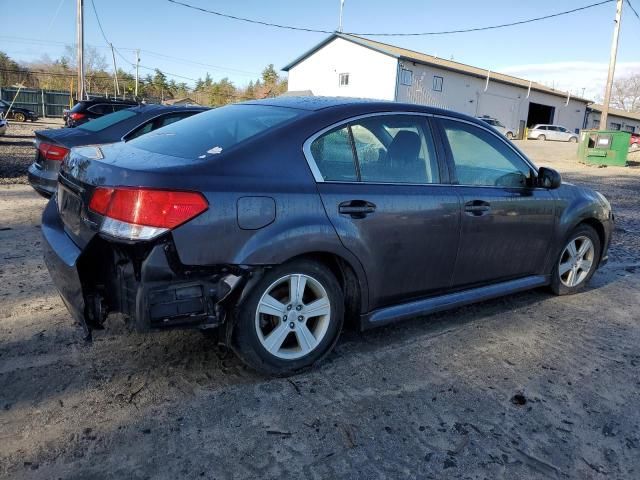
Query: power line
x=633, y=9
x=383, y=34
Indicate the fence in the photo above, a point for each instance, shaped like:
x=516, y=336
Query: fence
x=46, y=103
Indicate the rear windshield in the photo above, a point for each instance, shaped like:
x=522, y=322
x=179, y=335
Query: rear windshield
x=107, y=120
x=212, y=132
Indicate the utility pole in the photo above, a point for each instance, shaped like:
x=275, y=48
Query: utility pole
x=80, y=46
x=116, y=87
x=612, y=66
x=341, y=8
x=137, y=66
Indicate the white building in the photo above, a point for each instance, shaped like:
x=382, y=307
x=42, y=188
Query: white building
x=351, y=66
x=617, y=119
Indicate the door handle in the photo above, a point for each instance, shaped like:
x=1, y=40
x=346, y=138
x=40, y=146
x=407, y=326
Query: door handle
x=477, y=208
x=356, y=208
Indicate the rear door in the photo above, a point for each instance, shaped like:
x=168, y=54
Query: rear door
x=506, y=224
x=386, y=195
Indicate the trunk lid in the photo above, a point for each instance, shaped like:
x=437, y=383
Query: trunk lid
x=114, y=165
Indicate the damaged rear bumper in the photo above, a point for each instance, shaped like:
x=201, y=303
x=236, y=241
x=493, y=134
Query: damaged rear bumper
x=146, y=283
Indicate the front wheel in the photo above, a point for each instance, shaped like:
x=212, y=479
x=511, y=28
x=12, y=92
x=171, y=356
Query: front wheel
x=291, y=319
x=19, y=117
x=509, y=136
x=577, y=261
x=573, y=140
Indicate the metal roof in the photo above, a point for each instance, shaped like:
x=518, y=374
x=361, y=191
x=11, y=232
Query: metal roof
x=413, y=56
x=616, y=111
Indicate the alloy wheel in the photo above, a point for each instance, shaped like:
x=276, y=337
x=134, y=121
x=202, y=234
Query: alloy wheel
x=293, y=316
x=576, y=261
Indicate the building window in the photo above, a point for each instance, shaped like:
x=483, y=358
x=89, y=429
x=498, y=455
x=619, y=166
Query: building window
x=629, y=128
x=615, y=126
x=596, y=124
x=344, y=79
x=406, y=77
x=437, y=83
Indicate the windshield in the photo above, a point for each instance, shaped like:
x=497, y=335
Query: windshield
x=107, y=120
x=211, y=133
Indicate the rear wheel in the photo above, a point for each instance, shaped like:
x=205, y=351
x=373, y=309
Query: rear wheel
x=577, y=261
x=542, y=138
x=510, y=135
x=19, y=117
x=291, y=319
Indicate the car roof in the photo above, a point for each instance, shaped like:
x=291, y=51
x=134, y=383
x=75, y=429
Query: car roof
x=155, y=107
x=353, y=106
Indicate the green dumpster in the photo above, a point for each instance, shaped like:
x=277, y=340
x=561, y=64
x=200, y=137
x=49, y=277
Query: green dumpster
x=604, y=147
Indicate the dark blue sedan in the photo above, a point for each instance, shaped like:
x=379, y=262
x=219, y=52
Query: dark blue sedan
x=274, y=221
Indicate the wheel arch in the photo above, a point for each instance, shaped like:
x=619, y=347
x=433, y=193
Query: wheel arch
x=353, y=285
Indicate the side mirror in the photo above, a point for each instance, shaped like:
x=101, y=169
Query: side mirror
x=549, y=178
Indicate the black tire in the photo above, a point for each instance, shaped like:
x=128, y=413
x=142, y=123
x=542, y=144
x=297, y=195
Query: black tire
x=542, y=138
x=573, y=140
x=246, y=342
x=19, y=117
x=509, y=136
x=557, y=286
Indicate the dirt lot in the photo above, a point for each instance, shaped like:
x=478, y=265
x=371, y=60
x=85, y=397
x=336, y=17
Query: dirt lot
x=529, y=386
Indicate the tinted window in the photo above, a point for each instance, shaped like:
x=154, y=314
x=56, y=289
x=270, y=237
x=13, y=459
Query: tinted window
x=212, y=132
x=156, y=123
x=333, y=155
x=101, y=109
x=395, y=149
x=481, y=158
x=121, y=107
x=107, y=120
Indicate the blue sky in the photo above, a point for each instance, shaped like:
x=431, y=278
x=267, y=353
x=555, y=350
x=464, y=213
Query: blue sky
x=570, y=52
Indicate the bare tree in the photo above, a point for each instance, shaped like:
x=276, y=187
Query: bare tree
x=626, y=93
x=95, y=64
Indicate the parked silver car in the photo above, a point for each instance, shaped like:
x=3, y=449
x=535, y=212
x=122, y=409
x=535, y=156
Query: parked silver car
x=498, y=125
x=552, y=132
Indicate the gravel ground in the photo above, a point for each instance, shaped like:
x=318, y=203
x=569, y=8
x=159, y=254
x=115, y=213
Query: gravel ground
x=17, y=151
x=528, y=386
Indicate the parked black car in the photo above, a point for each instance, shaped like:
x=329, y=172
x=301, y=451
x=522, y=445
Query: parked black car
x=86, y=110
x=53, y=145
x=16, y=113
x=274, y=220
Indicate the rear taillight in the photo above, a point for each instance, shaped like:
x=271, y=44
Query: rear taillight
x=77, y=116
x=141, y=213
x=52, y=152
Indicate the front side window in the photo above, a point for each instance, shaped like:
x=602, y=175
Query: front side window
x=406, y=77
x=481, y=158
x=343, y=78
x=437, y=83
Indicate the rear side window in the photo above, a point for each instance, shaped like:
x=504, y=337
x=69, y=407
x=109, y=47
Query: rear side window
x=334, y=156
x=379, y=149
x=101, y=109
x=395, y=149
x=107, y=121
x=211, y=133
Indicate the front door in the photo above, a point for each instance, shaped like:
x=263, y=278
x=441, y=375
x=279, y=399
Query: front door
x=382, y=189
x=506, y=223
